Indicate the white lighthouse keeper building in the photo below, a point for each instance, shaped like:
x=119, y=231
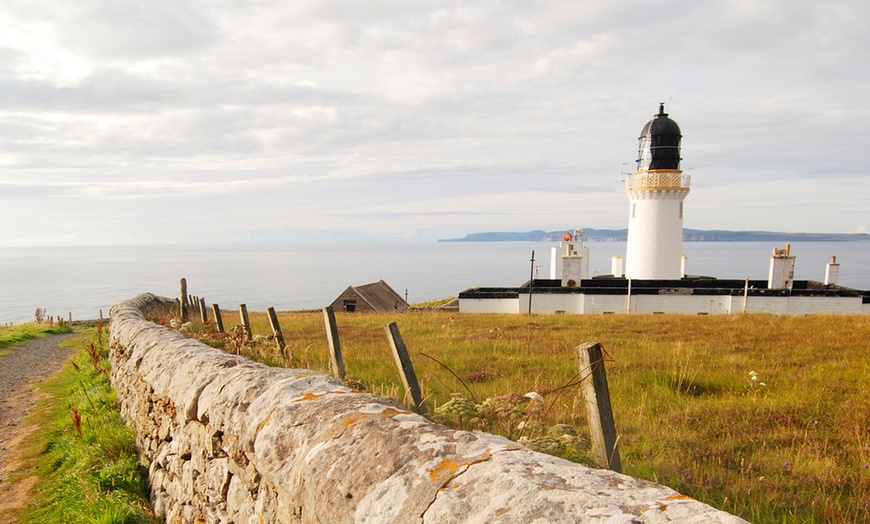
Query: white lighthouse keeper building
x=656, y=192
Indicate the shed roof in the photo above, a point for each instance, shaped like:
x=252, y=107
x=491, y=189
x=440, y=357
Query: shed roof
x=381, y=297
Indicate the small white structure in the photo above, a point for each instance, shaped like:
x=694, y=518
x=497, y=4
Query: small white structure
x=781, y=274
x=655, y=194
x=616, y=262
x=575, y=259
x=832, y=272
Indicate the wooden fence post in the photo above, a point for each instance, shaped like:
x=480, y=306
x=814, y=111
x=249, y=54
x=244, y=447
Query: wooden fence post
x=184, y=303
x=406, y=369
x=203, y=311
x=276, y=330
x=599, y=414
x=335, y=357
x=243, y=317
x=217, y=317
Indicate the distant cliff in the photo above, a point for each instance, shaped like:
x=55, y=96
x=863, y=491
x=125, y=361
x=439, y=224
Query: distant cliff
x=689, y=235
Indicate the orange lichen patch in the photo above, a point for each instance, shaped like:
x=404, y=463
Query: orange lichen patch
x=392, y=412
x=265, y=421
x=445, y=468
x=679, y=497
x=348, y=421
x=312, y=396
x=663, y=507
x=353, y=419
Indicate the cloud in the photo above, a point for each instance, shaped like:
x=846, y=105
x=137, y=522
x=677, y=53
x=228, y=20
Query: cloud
x=416, y=116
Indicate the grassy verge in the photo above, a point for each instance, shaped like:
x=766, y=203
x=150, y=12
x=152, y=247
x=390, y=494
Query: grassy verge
x=86, y=456
x=767, y=417
x=17, y=334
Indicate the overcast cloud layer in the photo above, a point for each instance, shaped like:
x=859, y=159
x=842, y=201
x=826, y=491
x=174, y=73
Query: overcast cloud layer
x=221, y=121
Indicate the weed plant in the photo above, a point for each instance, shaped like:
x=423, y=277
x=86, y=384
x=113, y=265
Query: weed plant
x=86, y=457
x=763, y=416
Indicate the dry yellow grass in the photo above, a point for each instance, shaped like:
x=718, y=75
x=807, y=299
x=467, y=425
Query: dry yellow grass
x=688, y=411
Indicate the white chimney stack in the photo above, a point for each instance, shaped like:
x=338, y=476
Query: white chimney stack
x=832, y=272
x=781, y=273
x=616, y=266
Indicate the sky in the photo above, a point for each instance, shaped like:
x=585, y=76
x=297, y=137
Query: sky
x=225, y=121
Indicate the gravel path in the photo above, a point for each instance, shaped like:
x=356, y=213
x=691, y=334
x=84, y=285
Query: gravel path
x=21, y=366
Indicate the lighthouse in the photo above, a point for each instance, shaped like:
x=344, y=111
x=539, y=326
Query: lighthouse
x=655, y=193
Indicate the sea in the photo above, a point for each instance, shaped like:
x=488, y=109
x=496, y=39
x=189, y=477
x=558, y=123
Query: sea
x=84, y=282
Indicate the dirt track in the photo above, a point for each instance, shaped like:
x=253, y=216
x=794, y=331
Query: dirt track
x=19, y=369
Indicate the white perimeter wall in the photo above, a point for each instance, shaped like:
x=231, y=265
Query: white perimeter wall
x=691, y=304
x=549, y=303
x=679, y=304
x=818, y=305
x=492, y=305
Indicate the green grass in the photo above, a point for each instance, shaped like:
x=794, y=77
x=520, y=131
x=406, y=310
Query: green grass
x=17, y=334
x=86, y=456
x=433, y=303
x=687, y=411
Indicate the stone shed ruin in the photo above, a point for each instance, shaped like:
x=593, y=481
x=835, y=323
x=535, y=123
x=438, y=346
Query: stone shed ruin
x=376, y=297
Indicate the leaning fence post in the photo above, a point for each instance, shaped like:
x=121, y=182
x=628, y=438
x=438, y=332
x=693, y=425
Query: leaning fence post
x=217, y=317
x=406, y=369
x=599, y=414
x=276, y=330
x=335, y=357
x=183, y=302
x=243, y=317
x=203, y=311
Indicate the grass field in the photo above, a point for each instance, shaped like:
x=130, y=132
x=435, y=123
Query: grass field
x=767, y=417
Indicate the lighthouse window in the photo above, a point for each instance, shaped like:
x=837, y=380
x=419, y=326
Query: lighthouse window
x=644, y=154
x=633, y=208
x=681, y=210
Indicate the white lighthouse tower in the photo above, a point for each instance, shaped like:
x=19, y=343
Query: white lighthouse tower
x=656, y=192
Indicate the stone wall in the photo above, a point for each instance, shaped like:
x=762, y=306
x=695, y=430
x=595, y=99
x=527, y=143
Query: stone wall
x=229, y=440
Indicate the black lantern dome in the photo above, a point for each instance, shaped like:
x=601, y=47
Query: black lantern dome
x=659, y=143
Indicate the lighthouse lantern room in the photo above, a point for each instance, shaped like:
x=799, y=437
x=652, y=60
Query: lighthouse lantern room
x=656, y=192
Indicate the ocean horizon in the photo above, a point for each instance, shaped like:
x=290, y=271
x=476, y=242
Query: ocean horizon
x=83, y=280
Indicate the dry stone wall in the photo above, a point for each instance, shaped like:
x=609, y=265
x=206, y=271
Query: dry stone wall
x=232, y=441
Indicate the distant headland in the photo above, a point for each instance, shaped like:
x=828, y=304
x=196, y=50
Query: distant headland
x=689, y=235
